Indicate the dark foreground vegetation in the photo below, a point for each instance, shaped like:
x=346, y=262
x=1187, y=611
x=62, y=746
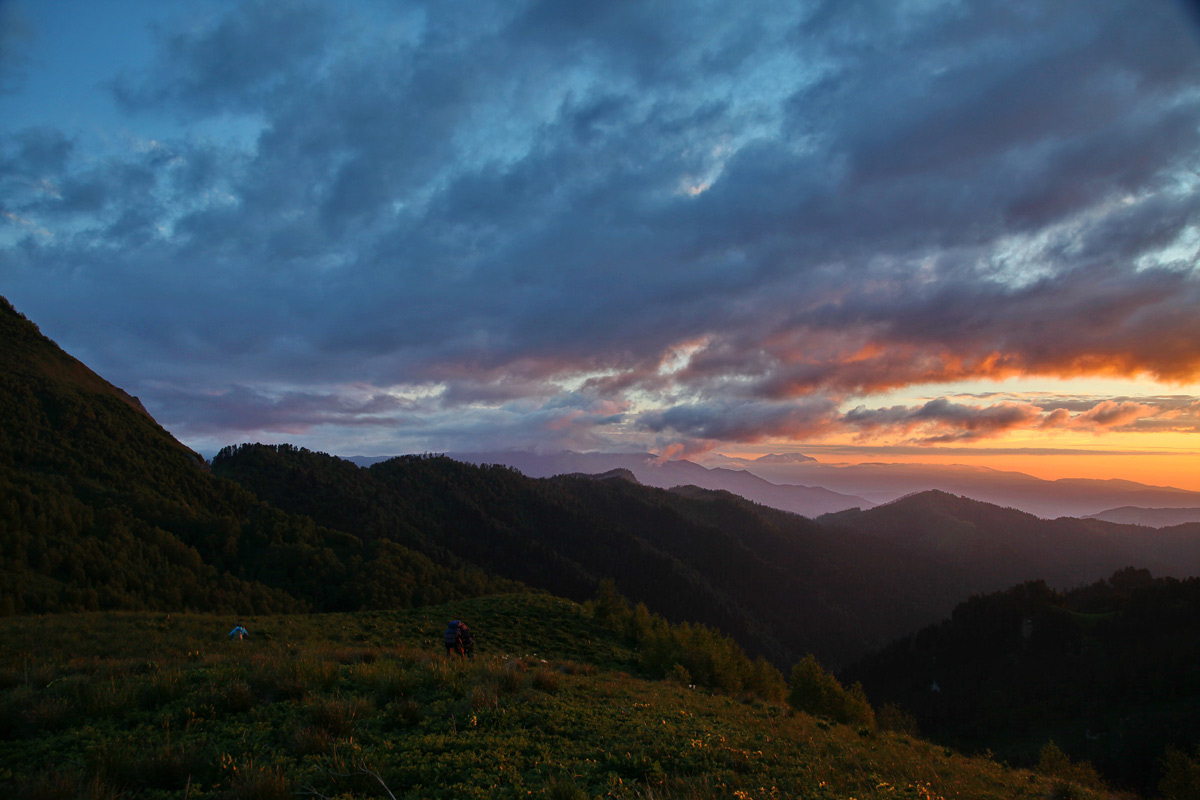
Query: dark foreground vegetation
x=555, y=704
x=1108, y=671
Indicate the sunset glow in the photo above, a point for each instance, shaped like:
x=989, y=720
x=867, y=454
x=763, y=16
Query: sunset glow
x=950, y=233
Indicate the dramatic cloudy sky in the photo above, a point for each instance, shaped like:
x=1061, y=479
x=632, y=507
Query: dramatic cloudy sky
x=900, y=229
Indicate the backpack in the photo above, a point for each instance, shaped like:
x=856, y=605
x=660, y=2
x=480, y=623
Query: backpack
x=450, y=637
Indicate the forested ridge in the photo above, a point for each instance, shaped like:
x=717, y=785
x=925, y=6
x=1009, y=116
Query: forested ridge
x=1107, y=671
x=990, y=547
x=100, y=508
x=777, y=582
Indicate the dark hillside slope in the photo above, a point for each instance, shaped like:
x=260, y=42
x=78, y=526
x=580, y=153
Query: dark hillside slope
x=1108, y=671
x=140, y=705
x=778, y=583
x=1150, y=517
x=988, y=547
x=101, y=508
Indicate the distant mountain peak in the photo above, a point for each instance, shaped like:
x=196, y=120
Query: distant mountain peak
x=784, y=458
x=619, y=473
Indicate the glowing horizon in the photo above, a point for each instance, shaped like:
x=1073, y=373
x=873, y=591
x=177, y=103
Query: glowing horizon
x=941, y=233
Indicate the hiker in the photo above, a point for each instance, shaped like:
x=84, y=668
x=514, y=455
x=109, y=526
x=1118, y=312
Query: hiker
x=458, y=640
x=238, y=632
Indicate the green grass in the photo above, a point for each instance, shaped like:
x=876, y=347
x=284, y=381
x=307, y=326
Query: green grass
x=366, y=705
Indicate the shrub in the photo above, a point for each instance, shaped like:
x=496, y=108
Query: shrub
x=892, y=717
x=507, y=678
x=57, y=785
x=680, y=675
x=311, y=741
x=170, y=767
x=1053, y=762
x=49, y=712
x=258, y=783
x=161, y=689
x=408, y=712
x=1180, y=776
x=336, y=715
x=483, y=697
x=545, y=681
x=390, y=682
x=565, y=790
x=234, y=697
x=815, y=691
x=710, y=658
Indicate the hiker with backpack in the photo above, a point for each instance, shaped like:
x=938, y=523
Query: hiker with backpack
x=458, y=640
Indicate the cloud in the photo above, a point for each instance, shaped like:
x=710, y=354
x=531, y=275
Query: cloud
x=746, y=422
x=494, y=199
x=16, y=37
x=245, y=409
x=942, y=421
x=235, y=62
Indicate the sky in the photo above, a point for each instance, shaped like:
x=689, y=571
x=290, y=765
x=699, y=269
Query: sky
x=900, y=230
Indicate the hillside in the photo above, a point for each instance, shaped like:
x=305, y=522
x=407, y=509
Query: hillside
x=988, y=547
x=363, y=705
x=1150, y=517
x=1108, y=671
x=100, y=508
x=884, y=483
x=777, y=582
x=808, y=501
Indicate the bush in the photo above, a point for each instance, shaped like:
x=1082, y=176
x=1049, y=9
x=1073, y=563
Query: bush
x=815, y=691
x=707, y=657
x=56, y=785
x=1180, y=776
x=258, y=783
x=545, y=681
x=1053, y=762
x=892, y=717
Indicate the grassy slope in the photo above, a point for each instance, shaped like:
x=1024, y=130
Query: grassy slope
x=155, y=705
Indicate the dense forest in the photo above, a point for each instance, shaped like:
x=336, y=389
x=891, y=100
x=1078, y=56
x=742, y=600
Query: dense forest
x=100, y=508
x=1107, y=671
x=990, y=548
x=777, y=582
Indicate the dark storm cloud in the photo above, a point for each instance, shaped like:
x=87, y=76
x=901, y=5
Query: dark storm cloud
x=246, y=409
x=747, y=422
x=807, y=201
x=235, y=63
x=942, y=421
x=16, y=37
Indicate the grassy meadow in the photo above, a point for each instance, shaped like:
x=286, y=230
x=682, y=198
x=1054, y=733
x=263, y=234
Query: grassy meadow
x=365, y=705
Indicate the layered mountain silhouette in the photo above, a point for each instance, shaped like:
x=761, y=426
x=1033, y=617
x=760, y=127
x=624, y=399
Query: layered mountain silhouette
x=882, y=483
x=989, y=547
x=804, y=485
x=102, y=508
x=1150, y=517
x=809, y=501
x=777, y=582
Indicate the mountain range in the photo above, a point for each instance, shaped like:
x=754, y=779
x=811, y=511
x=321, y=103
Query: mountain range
x=1150, y=517
x=804, y=485
x=101, y=508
